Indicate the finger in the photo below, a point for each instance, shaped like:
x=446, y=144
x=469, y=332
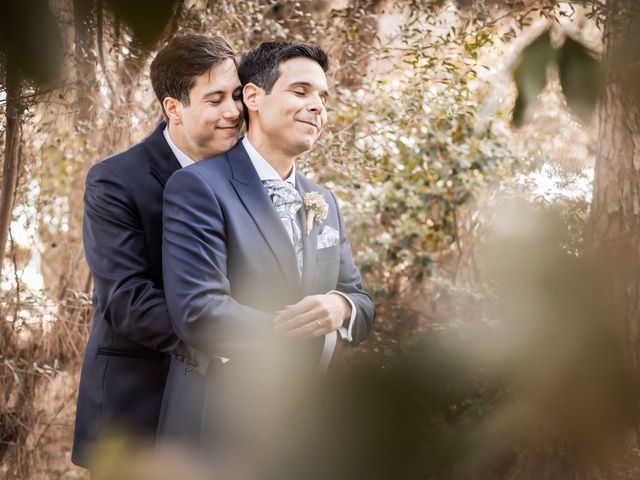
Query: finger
x=296, y=322
x=309, y=330
x=295, y=310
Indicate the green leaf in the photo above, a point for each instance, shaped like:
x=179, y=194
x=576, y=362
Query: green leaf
x=580, y=78
x=530, y=75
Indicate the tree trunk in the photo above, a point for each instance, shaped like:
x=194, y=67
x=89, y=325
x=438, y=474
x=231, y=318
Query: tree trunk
x=615, y=216
x=11, y=156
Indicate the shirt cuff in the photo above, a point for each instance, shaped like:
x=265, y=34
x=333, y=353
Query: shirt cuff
x=330, y=340
x=345, y=332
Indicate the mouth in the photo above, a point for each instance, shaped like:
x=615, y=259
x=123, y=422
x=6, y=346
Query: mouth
x=313, y=124
x=230, y=127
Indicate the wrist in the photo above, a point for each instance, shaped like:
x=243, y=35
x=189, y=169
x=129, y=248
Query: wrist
x=346, y=308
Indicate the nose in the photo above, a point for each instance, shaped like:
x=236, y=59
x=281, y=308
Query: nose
x=232, y=110
x=316, y=105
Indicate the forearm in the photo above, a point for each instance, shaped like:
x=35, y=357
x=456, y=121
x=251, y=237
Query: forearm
x=137, y=310
x=218, y=325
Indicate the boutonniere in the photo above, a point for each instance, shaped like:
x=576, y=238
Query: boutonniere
x=316, y=208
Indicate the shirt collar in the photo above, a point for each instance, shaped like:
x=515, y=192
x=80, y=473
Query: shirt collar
x=264, y=169
x=182, y=157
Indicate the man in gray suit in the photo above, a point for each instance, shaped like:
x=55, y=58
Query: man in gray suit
x=255, y=255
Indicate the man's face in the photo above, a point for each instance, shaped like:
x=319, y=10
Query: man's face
x=293, y=115
x=211, y=123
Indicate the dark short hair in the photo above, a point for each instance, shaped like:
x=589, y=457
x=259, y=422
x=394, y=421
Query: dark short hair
x=175, y=67
x=261, y=65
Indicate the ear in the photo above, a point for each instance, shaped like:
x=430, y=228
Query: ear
x=252, y=96
x=173, y=110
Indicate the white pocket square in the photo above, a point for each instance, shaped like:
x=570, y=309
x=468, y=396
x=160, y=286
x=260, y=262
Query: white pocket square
x=328, y=237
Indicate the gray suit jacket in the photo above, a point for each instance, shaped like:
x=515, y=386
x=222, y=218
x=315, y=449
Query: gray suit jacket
x=229, y=266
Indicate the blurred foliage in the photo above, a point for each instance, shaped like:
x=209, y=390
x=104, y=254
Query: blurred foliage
x=580, y=76
x=30, y=41
x=531, y=74
x=31, y=37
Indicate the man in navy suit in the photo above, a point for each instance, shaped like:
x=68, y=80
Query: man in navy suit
x=255, y=255
x=127, y=356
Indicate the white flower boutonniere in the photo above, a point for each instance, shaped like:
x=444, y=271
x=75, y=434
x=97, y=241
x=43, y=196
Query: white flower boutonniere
x=316, y=207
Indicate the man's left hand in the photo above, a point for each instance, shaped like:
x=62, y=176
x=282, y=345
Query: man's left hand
x=313, y=316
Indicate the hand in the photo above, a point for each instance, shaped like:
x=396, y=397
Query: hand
x=313, y=316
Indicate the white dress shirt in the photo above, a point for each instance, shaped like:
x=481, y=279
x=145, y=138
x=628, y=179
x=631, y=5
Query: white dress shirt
x=267, y=172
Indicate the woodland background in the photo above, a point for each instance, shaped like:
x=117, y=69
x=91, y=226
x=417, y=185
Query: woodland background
x=487, y=158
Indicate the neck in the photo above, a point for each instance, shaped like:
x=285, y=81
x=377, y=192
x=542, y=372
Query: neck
x=279, y=160
x=178, y=140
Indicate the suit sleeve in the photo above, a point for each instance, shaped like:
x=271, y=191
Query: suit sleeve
x=350, y=284
x=116, y=252
x=203, y=313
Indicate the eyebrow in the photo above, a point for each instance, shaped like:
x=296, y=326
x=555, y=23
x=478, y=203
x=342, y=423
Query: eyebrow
x=307, y=84
x=219, y=92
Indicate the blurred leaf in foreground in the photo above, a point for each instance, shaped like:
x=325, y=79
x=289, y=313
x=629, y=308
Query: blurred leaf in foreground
x=580, y=77
x=531, y=74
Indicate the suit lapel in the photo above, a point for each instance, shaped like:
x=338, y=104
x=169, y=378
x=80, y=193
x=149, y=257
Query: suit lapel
x=163, y=161
x=309, y=242
x=255, y=199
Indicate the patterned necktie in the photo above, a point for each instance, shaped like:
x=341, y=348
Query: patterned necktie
x=287, y=201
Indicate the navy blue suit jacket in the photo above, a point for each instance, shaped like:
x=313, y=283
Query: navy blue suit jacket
x=126, y=362
x=229, y=264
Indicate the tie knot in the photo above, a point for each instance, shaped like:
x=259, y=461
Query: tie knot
x=276, y=184
x=283, y=193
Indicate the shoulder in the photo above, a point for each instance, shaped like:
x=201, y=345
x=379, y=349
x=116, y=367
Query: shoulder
x=218, y=164
x=211, y=171
x=310, y=185
x=196, y=190
x=110, y=181
x=120, y=165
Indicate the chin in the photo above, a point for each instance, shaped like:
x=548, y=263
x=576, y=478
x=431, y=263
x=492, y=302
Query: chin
x=310, y=142
x=228, y=144
x=303, y=146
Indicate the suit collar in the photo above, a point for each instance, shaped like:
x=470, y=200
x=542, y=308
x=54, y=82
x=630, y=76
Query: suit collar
x=253, y=195
x=242, y=169
x=163, y=161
